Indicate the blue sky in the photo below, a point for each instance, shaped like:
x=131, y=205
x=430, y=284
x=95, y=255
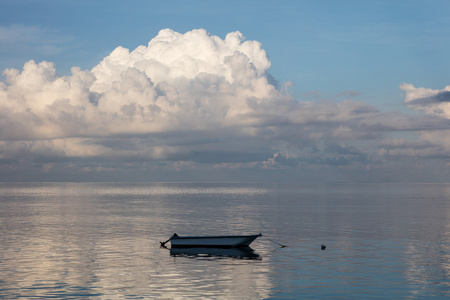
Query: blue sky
x=356, y=66
x=318, y=45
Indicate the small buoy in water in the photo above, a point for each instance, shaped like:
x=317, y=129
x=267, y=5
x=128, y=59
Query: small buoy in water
x=323, y=247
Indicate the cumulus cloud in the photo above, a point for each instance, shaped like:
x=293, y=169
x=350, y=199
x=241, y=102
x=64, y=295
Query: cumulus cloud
x=185, y=100
x=178, y=82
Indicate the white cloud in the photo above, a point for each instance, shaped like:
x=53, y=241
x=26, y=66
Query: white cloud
x=178, y=82
x=182, y=101
x=434, y=102
x=172, y=57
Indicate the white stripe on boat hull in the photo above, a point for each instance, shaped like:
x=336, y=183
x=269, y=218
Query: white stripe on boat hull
x=212, y=241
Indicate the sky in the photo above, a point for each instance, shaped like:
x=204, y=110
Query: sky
x=225, y=91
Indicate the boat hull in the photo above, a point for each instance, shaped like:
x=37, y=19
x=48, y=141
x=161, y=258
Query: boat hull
x=212, y=241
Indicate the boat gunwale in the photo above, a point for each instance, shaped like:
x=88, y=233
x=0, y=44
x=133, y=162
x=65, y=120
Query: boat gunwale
x=216, y=236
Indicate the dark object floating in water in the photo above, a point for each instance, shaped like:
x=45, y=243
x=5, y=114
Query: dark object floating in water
x=323, y=247
x=213, y=241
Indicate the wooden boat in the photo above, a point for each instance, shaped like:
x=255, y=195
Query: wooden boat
x=215, y=241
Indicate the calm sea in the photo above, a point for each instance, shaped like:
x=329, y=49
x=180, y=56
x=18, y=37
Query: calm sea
x=101, y=241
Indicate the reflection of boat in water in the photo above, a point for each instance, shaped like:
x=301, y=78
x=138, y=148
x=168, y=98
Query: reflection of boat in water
x=233, y=252
x=215, y=241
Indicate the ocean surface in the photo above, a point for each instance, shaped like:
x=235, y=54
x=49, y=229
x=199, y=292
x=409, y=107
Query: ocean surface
x=101, y=241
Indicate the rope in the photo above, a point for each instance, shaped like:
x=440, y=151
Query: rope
x=281, y=246
x=163, y=244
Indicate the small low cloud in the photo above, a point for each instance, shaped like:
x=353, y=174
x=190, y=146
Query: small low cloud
x=439, y=98
x=433, y=102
